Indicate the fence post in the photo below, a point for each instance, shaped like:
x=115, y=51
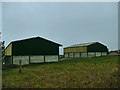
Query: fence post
x=95, y=54
x=20, y=66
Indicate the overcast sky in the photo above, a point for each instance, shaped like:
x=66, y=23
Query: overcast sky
x=64, y=23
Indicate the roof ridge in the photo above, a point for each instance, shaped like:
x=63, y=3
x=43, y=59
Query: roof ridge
x=82, y=44
x=34, y=38
x=85, y=43
x=24, y=39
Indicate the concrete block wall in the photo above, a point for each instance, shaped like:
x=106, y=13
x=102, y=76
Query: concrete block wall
x=104, y=53
x=24, y=60
x=36, y=59
x=77, y=54
x=66, y=55
x=91, y=54
x=71, y=55
x=83, y=54
x=98, y=54
x=51, y=58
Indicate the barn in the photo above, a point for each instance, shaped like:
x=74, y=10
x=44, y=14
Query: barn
x=92, y=49
x=32, y=50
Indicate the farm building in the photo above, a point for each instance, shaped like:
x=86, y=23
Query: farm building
x=86, y=50
x=116, y=52
x=32, y=50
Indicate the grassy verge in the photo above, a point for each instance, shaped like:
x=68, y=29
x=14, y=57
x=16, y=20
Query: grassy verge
x=97, y=72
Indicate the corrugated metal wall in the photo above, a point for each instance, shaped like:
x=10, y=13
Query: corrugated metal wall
x=8, y=50
x=35, y=47
x=97, y=47
x=75, y=49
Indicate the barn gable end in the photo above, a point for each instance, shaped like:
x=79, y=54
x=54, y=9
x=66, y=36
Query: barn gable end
x=32, y=50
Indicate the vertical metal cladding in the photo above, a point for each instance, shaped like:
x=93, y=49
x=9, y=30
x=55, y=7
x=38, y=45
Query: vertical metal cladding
x=97, y=47
x=8, y=50
x=75, y=49
x=35, y=46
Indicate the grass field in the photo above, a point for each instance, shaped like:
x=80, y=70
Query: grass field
x=97, y=72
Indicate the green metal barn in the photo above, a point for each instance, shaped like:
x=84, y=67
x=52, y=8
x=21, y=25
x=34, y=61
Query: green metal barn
x=32, y=50
x=91, y=49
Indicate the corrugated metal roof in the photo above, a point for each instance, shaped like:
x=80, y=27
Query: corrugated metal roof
x=33, y=38
x=82, y=44
x=36, y=38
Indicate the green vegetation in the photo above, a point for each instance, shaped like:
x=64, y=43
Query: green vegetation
x=97, y=72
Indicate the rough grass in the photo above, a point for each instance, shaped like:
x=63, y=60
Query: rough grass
x=97, y=72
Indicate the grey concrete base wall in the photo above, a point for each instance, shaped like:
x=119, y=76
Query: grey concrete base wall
x=104, y=53
x=36, y=59
x=83, y=54
x=70, y=54
x=91, y=54
x=66, y=55
x=98, y=54
x=51, y=58
x=24, y=60
x=77, y=54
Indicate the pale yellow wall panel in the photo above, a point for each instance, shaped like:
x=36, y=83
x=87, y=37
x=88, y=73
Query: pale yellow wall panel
x=8, y=50
x=75, y=49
